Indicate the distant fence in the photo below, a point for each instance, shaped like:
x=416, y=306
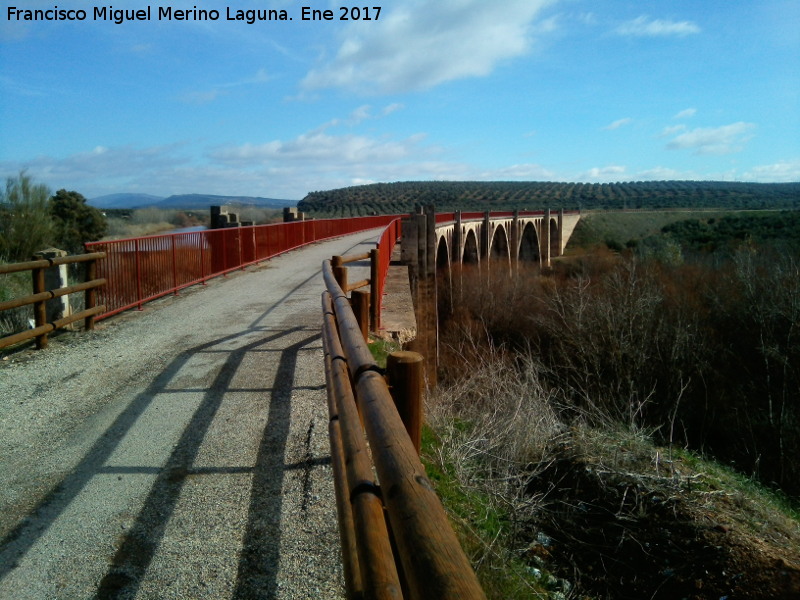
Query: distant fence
x=141, y=269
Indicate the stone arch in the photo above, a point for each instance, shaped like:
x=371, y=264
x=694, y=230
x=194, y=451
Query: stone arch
x=442, y=254
x=529, y=244
x=471, y=254
x=555, y=250
x=499, y=247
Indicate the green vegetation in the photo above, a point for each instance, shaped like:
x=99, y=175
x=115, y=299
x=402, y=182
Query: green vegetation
x=629, y=420
x=694, y=231
x=25, y=223
x=31, y=220
x=402, y=197
x=483, y=528
x=381, y=349
x=75, y=221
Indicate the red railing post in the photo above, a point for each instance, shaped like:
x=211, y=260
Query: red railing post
x=376, y=281
x=223, y=234
x=203, y=243
x=174, y=268
x=239, y=240
x=138, y=274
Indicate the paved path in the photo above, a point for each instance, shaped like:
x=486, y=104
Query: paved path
x=180, y=452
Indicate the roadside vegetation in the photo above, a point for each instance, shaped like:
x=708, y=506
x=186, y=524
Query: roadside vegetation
x=626, y=424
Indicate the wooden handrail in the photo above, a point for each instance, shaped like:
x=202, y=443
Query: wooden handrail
x=429, y=555
x=48, y=327
x=49, y=262
x=51, y=294
x=377, y=569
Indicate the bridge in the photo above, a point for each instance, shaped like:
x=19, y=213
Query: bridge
x=181, y=451
x=438, y=241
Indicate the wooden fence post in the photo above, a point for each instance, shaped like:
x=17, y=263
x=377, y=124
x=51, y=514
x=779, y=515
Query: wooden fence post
x=339, y=272
x=360, y=302
x=405, y=372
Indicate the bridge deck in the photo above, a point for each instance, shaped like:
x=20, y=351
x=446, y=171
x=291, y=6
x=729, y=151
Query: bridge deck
x=180, y=452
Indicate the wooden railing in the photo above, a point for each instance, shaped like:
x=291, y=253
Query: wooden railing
x=41, y=295
x=396, y=539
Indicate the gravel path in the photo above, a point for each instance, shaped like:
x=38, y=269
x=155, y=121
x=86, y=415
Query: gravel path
x=178, y=452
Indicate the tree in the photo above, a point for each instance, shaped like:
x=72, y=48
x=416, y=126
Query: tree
x=75, y=221
x=25, y=222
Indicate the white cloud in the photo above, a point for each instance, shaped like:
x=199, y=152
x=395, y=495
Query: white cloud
x=104, y=169
x=644, y=26
x=617, y=124
x=364, y=113
x=206, y=96
x=714, y=140
x=321, y=149
x=785, y=171
x=522, y=172
x=672, y=130
x=609, y=173
x=686, y=114
x=661, y=174
x=411, y=49
x=392, y=108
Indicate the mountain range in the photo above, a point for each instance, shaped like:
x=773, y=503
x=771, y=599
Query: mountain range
x=184, y=201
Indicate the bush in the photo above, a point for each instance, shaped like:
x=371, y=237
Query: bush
x=25, y=223
x=704, y=352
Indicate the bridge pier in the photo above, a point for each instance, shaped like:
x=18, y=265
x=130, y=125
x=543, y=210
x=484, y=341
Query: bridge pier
x=473, y=238
x=418, y=251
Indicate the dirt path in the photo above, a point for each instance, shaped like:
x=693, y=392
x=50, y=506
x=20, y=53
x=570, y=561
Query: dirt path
x=179, y=452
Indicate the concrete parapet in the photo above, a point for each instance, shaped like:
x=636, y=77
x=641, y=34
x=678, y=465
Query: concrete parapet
x=54, y=278
x=291, y=214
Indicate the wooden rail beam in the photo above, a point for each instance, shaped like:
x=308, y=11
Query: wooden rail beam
x=49, y=327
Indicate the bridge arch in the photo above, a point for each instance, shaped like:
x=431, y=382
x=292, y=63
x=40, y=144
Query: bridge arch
x=471, y=254
x=529, y=244
x=555, y=238
x=499, y=250
x=442, y=254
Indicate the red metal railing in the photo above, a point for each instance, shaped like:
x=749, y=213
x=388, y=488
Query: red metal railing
x=386, y=245
x=138, y=270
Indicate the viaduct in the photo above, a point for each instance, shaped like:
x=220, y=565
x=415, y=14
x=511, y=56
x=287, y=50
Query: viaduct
x=434, y=241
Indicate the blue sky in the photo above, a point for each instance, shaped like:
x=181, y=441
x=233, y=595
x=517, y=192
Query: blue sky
x=555, y=90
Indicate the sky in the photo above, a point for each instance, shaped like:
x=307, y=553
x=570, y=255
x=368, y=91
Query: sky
x=480, y=90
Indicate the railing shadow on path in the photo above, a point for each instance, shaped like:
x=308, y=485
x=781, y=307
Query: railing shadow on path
x=258, y=560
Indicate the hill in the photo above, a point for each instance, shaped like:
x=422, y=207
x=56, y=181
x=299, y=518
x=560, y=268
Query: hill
x=203, y=201
x=112, y=201
x=401, y=197
x=184, y=201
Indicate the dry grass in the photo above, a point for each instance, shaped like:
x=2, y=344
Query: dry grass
x=550, y=510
